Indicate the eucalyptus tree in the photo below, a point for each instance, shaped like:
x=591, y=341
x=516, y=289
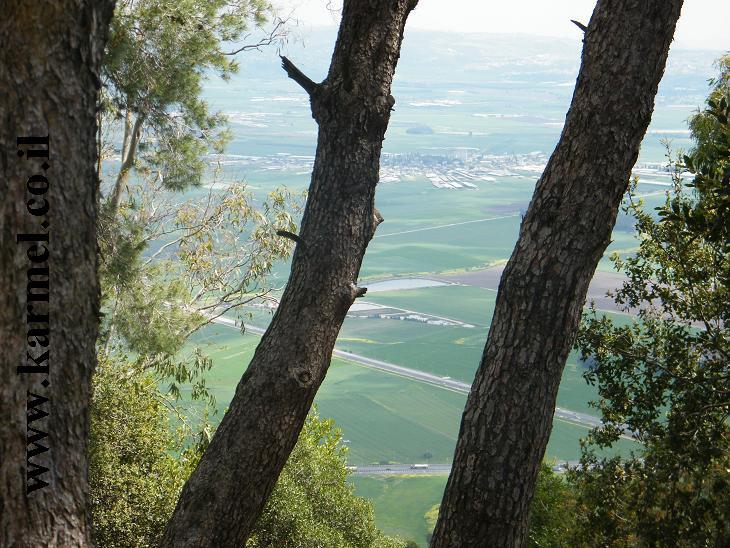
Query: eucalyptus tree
x=227, y=492
x=509, y=411
x=171, y=264
x=49, y=299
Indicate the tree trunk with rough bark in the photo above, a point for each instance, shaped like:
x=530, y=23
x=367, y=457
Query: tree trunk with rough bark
x=49, y=300
x=225, y=495
x=509, y=412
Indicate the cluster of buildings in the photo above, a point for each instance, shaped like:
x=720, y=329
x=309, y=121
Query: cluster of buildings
x=449, y=168
x=453, y=168
x=460, y=168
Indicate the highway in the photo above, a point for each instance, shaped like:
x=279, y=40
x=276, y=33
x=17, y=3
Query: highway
x=432, y=470
x=399, y=470
x=573, y=417
x=446, y=226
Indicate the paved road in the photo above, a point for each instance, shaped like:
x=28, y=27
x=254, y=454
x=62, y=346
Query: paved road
x=432, y=470
x=567, y=415
x=400, y=469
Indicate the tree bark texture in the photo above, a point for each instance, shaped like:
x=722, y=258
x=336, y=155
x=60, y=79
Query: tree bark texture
x=49, y=67
x=225, y=495
x=508, y=416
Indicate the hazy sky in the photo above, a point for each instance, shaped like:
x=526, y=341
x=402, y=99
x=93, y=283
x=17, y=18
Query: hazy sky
x=703, y=24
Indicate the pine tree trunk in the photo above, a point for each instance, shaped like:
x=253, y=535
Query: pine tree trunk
x=49, y=69
x=509, y=412
x=227, y=492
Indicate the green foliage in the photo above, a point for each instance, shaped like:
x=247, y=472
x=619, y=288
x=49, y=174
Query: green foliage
x=168, y=268
x=212, y=254
x=134, y=475
x=158, y=54
x=657, y=501
x=138, y=466
x=664, y=377
x=709, y=163
x=552, y=514
x=148, y=326
x=312, y=505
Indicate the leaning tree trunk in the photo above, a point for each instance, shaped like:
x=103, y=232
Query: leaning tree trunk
x=49, y=302
x=226, y=493
x=509, y=412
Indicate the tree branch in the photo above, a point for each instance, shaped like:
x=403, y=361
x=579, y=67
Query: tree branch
x=377, y=219
x=298, y=76
x=276, y=34
x=293, y=237
x=581, y=26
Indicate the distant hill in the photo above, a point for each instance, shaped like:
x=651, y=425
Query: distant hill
x=439, y=58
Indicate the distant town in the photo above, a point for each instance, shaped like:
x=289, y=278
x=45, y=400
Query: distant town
x=449, y=169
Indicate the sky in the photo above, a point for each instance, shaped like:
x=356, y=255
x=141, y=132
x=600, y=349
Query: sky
x=704, y=24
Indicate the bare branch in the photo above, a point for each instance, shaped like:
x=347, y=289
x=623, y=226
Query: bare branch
x=277, y=33
x=377, y=219
x=581, y=26
x=292, y=236
x=298, y=76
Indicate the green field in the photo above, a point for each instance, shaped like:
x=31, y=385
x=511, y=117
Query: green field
x=415, y=205
x=493, y=213
x=448, y=351
x=385, y=417
x=388, y=495
x=468, y=304
x=445, y=351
